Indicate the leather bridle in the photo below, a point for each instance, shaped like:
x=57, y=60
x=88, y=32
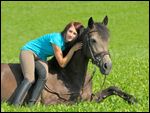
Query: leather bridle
x=96, y=58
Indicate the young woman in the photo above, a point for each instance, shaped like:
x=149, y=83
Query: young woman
x=39, y=49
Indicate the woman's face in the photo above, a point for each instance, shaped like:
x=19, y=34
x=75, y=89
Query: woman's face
x=71, y=34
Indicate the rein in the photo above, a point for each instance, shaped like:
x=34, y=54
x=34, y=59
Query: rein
x=57, y=94
x=53, y=92
x=93, y=73
x=96, y=59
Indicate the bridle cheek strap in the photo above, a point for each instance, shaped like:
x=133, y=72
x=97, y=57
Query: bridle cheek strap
x=98, y=57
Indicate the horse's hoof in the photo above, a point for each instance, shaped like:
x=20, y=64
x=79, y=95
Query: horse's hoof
x=132, y=100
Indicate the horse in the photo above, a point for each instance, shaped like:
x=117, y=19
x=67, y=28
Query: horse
x=72, y=83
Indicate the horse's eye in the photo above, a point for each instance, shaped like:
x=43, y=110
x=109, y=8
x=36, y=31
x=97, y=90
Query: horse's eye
x=93, y=41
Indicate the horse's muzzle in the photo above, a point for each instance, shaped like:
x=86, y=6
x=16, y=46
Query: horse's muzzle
x=105, y=65
x=106, y=68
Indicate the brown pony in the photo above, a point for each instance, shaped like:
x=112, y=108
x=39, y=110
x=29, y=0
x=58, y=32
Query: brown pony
x=72, y=83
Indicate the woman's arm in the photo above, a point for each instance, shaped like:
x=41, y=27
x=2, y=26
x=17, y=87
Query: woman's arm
x=63, y=61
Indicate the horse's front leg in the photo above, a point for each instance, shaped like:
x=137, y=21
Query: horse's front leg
x=112, y=90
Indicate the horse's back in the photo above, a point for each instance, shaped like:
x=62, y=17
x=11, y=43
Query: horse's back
x=10, y=78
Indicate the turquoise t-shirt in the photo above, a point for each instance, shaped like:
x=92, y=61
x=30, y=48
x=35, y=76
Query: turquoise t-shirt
x=42, y=46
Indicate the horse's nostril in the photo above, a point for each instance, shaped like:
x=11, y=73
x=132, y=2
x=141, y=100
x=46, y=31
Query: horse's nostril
x=105, y=65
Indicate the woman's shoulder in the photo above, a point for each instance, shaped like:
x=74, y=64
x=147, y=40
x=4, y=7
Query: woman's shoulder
x=51, y=35
x=56, y=33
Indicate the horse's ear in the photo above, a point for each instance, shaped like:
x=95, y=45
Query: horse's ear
x=90, y=22
x=105, y=20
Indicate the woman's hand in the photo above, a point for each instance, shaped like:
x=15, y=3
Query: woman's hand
x=77, y=46
x=63, y=61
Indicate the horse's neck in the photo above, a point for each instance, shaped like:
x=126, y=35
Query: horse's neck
x=76, y=69
x=78, y=63
x=74, y=73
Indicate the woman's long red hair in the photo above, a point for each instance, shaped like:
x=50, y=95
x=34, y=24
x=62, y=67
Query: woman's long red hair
x=77, y=26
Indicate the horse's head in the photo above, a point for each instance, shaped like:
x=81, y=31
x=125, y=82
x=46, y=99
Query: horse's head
x=95, y=44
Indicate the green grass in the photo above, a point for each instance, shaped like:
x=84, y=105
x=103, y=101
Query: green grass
x=129, y=41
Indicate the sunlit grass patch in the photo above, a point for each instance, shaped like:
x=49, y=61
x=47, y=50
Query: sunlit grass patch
x=129, y=46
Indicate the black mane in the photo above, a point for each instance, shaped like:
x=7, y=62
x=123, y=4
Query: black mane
x=53, y=64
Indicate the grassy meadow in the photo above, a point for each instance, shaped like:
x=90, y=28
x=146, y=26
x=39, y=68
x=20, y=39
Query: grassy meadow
x=129, y=45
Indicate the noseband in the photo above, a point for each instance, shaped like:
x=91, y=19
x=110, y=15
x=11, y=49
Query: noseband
x=96, y=59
